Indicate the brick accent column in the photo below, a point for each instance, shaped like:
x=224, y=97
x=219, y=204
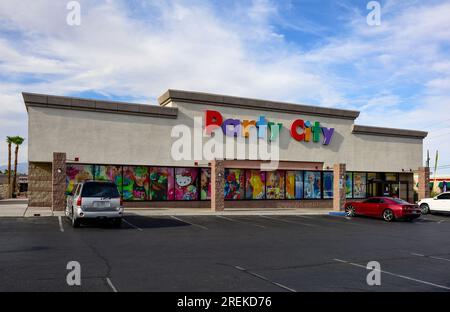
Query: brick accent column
x=217, y=185
x=339, y=187
x=424, y=182
x=59, y=182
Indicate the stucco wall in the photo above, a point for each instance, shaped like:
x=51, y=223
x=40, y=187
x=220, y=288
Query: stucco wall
x=97, y=137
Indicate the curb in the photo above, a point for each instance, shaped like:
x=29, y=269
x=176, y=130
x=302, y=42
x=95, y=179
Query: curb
x=337, y=213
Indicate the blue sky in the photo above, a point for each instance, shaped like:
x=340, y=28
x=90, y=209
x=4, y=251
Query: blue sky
x=313, y=52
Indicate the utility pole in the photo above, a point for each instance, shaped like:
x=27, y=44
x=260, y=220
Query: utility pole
x=428, y=158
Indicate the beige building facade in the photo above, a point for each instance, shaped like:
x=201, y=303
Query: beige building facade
x=133, y=144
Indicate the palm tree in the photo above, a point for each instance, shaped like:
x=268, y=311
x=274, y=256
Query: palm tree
x=17, y=140
x=9, y=141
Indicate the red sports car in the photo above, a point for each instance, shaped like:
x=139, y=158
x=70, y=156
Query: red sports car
x=387, y=208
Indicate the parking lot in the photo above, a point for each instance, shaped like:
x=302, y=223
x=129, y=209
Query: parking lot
x=226, y=253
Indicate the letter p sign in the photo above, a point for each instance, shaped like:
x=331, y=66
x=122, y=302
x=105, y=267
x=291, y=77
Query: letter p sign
x=213, y=120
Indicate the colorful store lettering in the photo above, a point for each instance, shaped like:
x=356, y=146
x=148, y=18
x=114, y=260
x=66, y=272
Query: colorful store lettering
x=300, y=130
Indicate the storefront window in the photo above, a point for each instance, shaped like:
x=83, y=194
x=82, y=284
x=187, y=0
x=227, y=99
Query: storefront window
x=255, y=181
x=294, y=184
x=109, y=173
x=312, y=185
x=359, y=190
x=78, y=173
x=205, y=184
x=234, y=184
x=135, y=183
x=348, y=185
x=275, y=184
x=186, y=184
x=327, y=184
x=392, y=177
x=161, y=183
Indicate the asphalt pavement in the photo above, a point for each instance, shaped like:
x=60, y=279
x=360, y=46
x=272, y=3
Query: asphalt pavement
x=287, y=253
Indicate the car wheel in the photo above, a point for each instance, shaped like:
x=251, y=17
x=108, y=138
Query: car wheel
x=350, y=211
x=425, y=209
x=388, y=215
x=75, y=222
x=117, y=222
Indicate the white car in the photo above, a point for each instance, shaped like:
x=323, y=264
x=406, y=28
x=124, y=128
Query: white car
x=439, y=203
x=94, y=200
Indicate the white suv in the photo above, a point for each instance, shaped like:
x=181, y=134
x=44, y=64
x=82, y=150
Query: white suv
x=440, y=203
x=94, y=200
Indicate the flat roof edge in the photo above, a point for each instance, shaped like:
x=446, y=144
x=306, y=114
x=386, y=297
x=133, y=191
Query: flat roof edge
x=370, y=130
x=249, y=103
x=65, y=102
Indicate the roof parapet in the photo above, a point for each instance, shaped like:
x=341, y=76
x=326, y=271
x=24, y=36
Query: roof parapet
x=65, y=102
x=369, y=130
x=255, y=104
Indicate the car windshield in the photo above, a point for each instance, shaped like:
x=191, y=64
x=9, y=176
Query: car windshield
x=108, y=190
x=399, y=201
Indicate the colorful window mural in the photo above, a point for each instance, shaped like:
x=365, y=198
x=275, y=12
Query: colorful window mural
x=135, y=183
x=312, y=184
x=327, y=184
x=109, y=173
x=234, y=184
x=205, y=184
x=161, y=183
x=359, y=186
x=77, y=173
x=348, y=185
x=186, y=184
x=275, y=184
x=294, y=184
x=255, y=181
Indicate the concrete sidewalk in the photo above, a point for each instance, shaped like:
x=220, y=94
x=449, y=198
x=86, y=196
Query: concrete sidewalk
x=228, y=211
x=15, y=208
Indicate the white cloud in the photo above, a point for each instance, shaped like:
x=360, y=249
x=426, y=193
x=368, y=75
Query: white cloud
x=178, y=44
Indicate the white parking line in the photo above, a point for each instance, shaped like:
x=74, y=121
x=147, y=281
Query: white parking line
x=431, y=257
x=132, y=225
x=243, y=222
x=396, y=275
x=114, y=289
x=264, y=278
x=287, y=221
x=193, y=224
x=61, y=228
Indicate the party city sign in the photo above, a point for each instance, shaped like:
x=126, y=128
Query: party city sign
x=300, y=129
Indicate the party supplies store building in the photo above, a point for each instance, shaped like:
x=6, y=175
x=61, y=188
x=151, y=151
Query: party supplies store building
x=215, y=151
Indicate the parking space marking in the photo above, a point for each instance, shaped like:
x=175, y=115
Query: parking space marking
x=287, y=221
x=193, y=224
x=264, y=278
x=243, y=222
x=396, y=275
x=132, y=225
x=114, y=289
x=61, y=228
x=431, y=257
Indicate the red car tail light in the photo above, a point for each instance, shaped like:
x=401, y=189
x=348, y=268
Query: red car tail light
x=79, y=201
